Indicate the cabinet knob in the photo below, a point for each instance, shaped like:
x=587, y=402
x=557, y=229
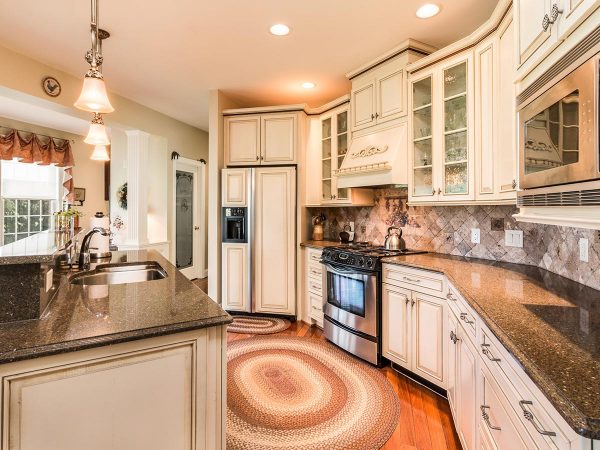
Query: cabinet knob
x=257, y=157
x=376, y=115
x=514, y=184
x=262, y=157
x=554, y=13
x=439, y=191
x=545, y=22
x=372, y=116
x=433, y=191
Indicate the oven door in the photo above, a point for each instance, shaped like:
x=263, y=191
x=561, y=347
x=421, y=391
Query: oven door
x=351, y=297
x=558, y=132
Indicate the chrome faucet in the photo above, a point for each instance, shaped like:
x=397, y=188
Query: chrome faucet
x=84, y=251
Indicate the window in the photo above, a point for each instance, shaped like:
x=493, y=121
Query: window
x=24, y=217
x=30, y=195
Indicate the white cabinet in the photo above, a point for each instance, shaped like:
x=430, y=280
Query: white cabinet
x=466, y=390
x=242, y=140
x=413, y=332
x=274, y=243
x=278, y=139
x=235, y=261
x=379, y=95
x=313, y=292
x=260, y=139
x=234, y=190
x=573, y=13
x=442, y=133
x=329, y=139
x=150, y=394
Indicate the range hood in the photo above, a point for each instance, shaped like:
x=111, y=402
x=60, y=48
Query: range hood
x=376, y=159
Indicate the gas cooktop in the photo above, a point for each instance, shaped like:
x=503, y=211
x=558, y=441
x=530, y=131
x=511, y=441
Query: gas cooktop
x=361, y=255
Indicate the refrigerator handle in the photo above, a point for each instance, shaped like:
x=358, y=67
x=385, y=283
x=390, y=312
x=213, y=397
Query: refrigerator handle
x=251, y=217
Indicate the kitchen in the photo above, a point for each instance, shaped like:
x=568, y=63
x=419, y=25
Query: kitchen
x=406, y=258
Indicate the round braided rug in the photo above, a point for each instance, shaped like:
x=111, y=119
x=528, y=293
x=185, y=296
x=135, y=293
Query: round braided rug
x=257, y=325
x=296, y=393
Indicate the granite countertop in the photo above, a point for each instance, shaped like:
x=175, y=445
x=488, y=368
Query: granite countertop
x=38, y=248
x=82, y=317
x=321, y=244
x=549, y=323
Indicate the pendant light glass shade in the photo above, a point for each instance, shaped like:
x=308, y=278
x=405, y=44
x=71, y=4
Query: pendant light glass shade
x=93, y=97
x=100, y=153
x=97, y=135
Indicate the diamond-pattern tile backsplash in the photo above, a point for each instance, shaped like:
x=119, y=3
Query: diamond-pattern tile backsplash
x=447, y=229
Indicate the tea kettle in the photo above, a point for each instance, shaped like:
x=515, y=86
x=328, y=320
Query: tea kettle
x=393, y=240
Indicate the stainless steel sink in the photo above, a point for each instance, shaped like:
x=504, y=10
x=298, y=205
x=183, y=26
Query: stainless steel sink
x=120, y=274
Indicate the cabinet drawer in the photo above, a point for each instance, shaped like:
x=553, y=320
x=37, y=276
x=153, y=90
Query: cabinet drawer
x=314, y=255
x=315, y=270
x=315, y=286
x=532, y=409
x=415, y=279
x=466, y=316
x=316, y=308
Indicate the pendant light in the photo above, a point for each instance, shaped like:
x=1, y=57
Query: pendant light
x=100, y=153
x=97, y=133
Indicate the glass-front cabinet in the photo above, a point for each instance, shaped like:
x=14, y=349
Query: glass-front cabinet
x=334, y=145
x=442, y=133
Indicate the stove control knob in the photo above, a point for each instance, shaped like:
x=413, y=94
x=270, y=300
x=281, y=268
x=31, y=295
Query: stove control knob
x=370, y=262
x=361, y=261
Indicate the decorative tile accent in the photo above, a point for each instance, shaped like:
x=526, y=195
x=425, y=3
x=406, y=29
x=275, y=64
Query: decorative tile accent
x=447, y=229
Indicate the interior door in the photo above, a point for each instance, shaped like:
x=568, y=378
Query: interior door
x=274, y=237
x=187, y=219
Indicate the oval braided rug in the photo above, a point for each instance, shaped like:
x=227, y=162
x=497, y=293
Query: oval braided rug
x=298, y=393
x=257, y=325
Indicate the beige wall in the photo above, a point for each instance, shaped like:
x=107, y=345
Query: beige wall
x=23, y=74
x=87, y=174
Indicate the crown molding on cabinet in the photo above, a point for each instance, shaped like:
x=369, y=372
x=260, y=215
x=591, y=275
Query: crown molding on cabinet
x=301, y=107
x=501, y=10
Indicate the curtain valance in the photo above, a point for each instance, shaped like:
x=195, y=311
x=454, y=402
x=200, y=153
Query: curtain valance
x=43, y=150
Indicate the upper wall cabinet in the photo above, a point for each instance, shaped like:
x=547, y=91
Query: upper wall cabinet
x=379, y=89
x=261, y=139
x=541, y=25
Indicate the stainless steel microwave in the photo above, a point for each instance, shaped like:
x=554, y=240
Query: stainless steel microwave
x=558, y=131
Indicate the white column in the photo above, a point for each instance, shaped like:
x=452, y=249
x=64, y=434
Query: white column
x=138, y=143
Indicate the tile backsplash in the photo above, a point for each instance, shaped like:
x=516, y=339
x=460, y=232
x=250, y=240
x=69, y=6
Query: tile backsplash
x=447, y=229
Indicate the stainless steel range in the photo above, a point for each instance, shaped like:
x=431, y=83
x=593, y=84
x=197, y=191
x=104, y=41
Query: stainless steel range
x=352, y=296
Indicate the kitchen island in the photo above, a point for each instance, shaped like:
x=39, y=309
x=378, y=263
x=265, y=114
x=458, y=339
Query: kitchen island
x=136, y=366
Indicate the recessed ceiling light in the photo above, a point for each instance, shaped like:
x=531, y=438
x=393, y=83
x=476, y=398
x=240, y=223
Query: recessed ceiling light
x=428, y=10
x=279, y=29
x=308, y=85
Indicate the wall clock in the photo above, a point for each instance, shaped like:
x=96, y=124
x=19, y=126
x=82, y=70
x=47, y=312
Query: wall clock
x=51, y=86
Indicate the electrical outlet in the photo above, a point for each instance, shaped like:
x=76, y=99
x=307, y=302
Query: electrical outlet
x=513, y=238
x=475, y=235
x=583, y=250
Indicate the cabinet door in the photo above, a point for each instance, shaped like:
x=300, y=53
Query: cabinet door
x=235, y=271
x=242, y=140
x=457, y=135
x=505, y=149
x=234, y=187
x=532, y=39
x=274, y=253
x=428, y=337
x=278, y=139
x=452, y=356
x=466, y=392
x=573, y=13
x=327, y=156
x=391, y=95
x=396, y=313
x=141, y=400
x=421, y=155
x=363, y=106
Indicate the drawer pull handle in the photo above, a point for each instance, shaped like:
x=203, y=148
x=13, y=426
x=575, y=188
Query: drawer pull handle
x=453, y=337
x=449, y=296
x=412, y=280
x=486, y=418
x=463, y=317
x=529, y=416
x=486, y=351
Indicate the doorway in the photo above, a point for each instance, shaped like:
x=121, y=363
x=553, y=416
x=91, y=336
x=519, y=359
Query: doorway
x=188, y=217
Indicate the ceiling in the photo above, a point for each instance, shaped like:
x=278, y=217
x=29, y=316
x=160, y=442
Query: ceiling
x=168, y=55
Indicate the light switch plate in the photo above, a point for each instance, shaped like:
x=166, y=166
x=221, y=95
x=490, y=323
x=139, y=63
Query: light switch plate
x=583, y=250
x=49, y=276
x=475, y=235
x=513, y=238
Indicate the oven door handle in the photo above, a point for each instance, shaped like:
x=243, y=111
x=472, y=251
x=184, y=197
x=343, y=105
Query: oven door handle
x=342, y=270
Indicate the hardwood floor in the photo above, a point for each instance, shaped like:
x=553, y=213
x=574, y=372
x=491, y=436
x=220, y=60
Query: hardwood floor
x=425, y=420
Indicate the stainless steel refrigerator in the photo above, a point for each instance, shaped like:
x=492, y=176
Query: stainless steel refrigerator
x=258, y=233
